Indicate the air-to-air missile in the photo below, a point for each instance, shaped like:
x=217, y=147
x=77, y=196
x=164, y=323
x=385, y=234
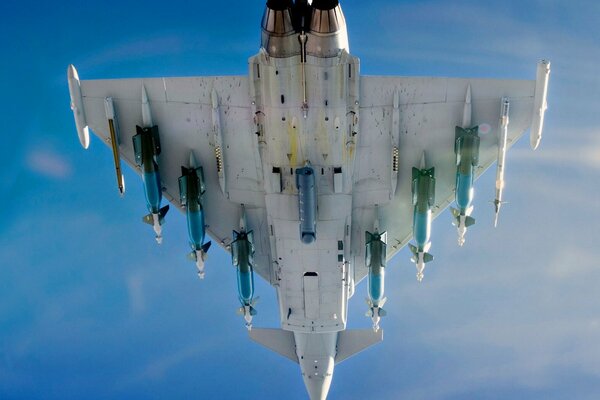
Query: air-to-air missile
x=307, y=203
x=423, y=195
x=375, y=260
x=539, y=103
x=146, y=146
x=502, y=146
x=242, y=255
x=191, y=189
x=466, y=147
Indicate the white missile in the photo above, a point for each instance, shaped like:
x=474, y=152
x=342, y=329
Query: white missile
x=502, y=144
x=77, y=106
x=539, y=102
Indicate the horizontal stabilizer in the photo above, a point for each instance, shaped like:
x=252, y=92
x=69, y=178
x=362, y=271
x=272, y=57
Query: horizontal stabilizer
x=469, y=221
x=278, y=340
x=351, y=342
x=206, y=246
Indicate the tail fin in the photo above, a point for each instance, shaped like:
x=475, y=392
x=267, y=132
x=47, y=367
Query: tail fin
x=161, y=214
x=413, y=249
x=354, y=341
x=454, y=212
x=426, y=256
x=148, y=219
x=278, y=340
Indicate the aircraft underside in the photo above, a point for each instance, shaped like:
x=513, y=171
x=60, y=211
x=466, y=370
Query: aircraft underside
x=321, y=174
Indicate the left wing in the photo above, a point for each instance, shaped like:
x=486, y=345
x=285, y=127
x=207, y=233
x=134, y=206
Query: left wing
x=206, y=115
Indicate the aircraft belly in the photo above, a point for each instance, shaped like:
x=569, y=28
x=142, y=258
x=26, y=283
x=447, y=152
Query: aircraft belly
x=310, y=278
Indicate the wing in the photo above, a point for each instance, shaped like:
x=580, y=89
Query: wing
x=416, y=115
x=209, y=116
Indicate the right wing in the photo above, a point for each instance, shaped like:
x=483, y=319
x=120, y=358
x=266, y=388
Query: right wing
x=182, y=108
x=416, y=115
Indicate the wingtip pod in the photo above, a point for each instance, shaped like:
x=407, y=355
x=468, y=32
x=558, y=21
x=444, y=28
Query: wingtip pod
x=539, y=102
x=77, y=106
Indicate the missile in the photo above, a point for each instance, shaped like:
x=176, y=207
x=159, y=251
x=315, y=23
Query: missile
x=375, y=260
x=502, y=145
x=77, y=106
x=467, y=109
x=423, y=193
x=539, y=102
x=307, y=203
x=146, y=146
x=113, y=128
x=242, y=255
x=191, y=189
x=466, y=148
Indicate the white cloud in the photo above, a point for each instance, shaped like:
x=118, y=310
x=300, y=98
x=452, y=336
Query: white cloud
x=48, y=163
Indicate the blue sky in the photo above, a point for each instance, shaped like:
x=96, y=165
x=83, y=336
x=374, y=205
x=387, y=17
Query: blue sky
x=91, y=307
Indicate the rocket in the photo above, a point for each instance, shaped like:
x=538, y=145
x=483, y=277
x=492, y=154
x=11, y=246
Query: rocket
x=466, y=148
x=146, y=146
x=375, y=260
x=242, y=255
x=423, y=195
x=191, y=189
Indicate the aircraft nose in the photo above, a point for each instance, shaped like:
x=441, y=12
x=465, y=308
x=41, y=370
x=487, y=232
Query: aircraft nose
x=317, y=386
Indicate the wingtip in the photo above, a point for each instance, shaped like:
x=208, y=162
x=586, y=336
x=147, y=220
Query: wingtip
x=72, y=72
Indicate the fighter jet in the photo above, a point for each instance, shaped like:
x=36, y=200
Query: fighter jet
x=313, y=166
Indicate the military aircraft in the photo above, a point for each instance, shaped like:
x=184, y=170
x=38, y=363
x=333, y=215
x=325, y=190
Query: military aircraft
x=322, y=174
